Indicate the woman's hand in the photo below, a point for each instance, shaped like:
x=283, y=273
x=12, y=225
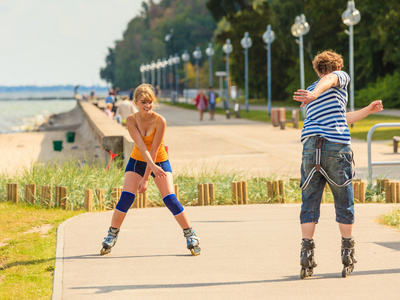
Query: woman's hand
x=304, y=96
x=375, y=106
x=142, y=186
x=158, y=172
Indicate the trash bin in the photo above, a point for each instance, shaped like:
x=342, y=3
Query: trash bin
x=70, y=136
x=57, y=145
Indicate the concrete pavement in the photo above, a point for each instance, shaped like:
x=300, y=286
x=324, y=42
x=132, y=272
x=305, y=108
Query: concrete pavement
x=248, y=252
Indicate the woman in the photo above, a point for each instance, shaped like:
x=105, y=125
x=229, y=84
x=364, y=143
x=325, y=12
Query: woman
x=201, y=103
x=148, y=157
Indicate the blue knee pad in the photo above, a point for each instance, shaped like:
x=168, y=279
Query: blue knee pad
x=173, y=204
x=125, y=201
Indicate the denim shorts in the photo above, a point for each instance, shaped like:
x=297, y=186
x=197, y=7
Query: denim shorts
x=336, y=160
x=211, y=106
x=139, y=167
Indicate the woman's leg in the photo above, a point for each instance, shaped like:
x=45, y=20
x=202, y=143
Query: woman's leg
x=131, y=184
x=201, y=114
x=166, y=187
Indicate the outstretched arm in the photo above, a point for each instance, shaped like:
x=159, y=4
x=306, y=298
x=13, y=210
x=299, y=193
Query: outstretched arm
x=355, y=116
x=325, y=83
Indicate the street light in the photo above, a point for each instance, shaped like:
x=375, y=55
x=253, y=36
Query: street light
x=164, y=66
x=351, y=16
x=185, y=58
x=300, y=28
x=177, y=60
x=148, y=73
x=227, y=48
x=246, y=43
x=142, y=70
x=210, y=53
x=153, y=68
x=171, y=84
x=158, y=67
x=170, y=38
x=268, y=38
x=197, y=56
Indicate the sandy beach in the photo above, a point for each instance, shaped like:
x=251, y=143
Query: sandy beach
x=230, y=145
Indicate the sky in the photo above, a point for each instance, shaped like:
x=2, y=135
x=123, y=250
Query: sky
x=60, y=42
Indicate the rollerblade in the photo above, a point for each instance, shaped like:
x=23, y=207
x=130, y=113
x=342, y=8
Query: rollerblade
x=307, y=261
x=109, y=241
x=348, y=256
x=192, y=241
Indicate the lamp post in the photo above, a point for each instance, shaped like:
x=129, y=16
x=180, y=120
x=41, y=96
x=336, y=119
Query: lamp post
x=268, y=38
x=171, y=84
x=147, y=72
x=185, y=58
x=197, y=56
x=177, y=60
x=164, y=66
x=158, y=67
x=300, y=28
x=153, y=68
x=227, y=48
x=142, y=70
x=246, y=43
x=351, y=16
x=210, y=53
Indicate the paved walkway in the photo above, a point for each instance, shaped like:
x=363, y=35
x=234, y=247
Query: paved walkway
x=248, y=252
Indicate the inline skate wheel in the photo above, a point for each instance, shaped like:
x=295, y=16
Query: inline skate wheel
x=195, y=251
x=105, y=251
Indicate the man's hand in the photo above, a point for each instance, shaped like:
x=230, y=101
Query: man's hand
x=375, y=106
x=304, y=96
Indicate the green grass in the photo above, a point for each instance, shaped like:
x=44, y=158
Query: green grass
x=392, y=219
x=27, y=260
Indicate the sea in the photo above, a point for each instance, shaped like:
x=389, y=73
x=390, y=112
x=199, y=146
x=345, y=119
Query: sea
x=25, y=111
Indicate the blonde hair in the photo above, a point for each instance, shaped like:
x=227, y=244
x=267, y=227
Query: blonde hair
x=147, y=91
x=327, y=61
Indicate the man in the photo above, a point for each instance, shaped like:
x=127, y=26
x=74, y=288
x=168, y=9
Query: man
x=124, y=109
x=327, y=156
x=212, y=100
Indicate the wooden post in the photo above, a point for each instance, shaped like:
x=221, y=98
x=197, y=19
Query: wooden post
x=46, y=194
x=88, y=199
x=362, y=192
x=100, y=197
x=356, y=190
x=282, y=191
x=30, y=193
x=270, y=190
x=200, y=191
x=398, y=192
x=206, y=194
x=211, y=192
x=176, y=189
x=234, y=191
x=388, y=197
x=240, y=192
x=12, y=192
x=393, y=192
x=245, y=199
x=61, y=196
x=275, y=190
x=115, y=196
x=144, y=203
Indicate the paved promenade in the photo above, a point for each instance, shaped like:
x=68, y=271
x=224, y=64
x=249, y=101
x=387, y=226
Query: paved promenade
x=248, y=252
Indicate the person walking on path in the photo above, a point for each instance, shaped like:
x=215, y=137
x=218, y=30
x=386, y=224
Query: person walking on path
x=327, y=156
x=212, y=100
x=201, y=103
x=148, y=157
x=124, y=109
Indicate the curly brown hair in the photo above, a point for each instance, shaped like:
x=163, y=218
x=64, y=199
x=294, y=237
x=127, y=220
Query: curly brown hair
x=327, y=61
x=147, y=91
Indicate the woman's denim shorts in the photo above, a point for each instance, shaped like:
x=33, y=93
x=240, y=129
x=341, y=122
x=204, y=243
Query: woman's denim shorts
x=336, y=160
x=139, y=167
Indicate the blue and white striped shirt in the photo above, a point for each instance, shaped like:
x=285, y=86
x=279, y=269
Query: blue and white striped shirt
x=326, y=115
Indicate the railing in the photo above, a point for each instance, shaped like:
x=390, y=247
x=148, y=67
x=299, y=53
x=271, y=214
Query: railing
x=369, y=140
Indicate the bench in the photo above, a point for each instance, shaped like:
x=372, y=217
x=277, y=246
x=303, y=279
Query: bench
x=294, y=120
x=396, y=140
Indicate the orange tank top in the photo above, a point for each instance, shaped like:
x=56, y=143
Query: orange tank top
x=148, y=140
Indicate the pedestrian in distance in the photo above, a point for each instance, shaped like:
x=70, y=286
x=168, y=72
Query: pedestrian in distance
x=147, y=129
x=327, y=156
x=212, y=101
x=201, y=103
